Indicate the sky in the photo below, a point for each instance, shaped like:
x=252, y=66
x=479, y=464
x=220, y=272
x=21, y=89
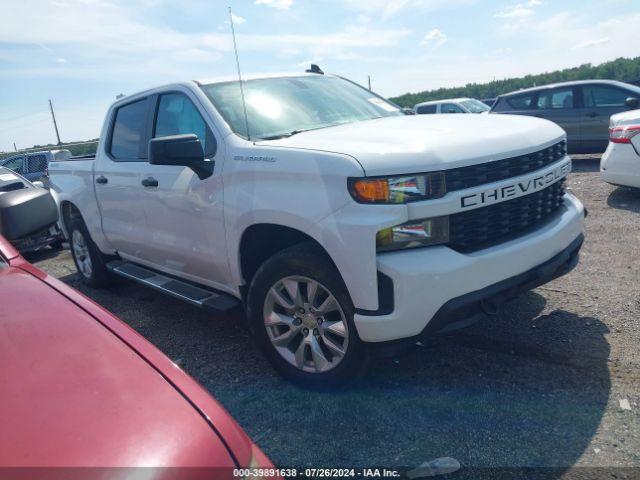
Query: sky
x=82, y=53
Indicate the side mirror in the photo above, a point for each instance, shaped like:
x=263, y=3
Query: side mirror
x=408, y=111
x=632, y=102
x=182, y=150
x=38, y=183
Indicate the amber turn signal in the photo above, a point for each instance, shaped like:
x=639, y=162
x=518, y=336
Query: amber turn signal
x=371, y=190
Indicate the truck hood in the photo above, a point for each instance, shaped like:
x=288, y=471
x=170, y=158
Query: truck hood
x=410, y=144
x=625, y=118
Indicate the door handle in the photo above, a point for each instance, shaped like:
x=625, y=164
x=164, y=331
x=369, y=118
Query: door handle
x=149, y=182
x=592, y=114
x=102, y=180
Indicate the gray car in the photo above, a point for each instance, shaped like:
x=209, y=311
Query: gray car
x=581, y=108
x=36, y=200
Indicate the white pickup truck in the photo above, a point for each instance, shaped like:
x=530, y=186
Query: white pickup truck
x=337, y=221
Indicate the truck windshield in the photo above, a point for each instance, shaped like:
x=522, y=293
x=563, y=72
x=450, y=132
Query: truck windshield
x=282, y=106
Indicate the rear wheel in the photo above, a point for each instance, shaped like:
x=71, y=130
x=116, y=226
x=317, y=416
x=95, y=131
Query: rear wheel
x=302, y=317
x=90, y=262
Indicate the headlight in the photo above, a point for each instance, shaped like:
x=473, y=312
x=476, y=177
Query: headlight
x=417, y=233
x=400, y=189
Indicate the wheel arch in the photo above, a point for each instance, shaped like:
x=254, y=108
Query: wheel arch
x=261, y=241
x=68, y=211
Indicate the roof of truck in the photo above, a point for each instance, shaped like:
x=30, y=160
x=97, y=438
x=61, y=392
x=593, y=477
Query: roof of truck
x=207, y=81
x=255, y=76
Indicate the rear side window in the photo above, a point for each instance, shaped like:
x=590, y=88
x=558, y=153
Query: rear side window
x=450, y=108
x=128, y=130
x=178, y=115
x=603, y=96
x=426, y=109
x=36, y=163
x=554, y=99
x=520, y=102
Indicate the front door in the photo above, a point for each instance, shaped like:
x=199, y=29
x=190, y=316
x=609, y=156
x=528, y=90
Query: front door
x=599, y=103
x=184, y=214
x=117, y=180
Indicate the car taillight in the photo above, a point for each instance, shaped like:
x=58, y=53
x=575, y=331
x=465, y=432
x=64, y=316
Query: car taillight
x=623, y=134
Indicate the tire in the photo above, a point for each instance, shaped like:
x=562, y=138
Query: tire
x=310, y=341
x=90, y=262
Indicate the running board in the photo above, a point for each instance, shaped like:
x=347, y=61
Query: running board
x=198, y=296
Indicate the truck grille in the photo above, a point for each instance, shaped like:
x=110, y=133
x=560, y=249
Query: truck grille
x=474, y=175
x=486, y=226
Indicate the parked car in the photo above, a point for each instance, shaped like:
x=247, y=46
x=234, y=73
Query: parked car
x=620, y=164
x=82, y=389
x=581, y=108
x=34, y=166
x=452, y=105
x=340, y=223
x=15, y=190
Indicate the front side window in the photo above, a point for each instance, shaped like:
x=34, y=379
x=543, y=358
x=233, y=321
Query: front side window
x=177, y=115
x=521, y=102
x=15, y=164
x=604, y=96
x=475, y=106
x=450, y=108
x=128, y=130
x=554, y=99
x=279, y=107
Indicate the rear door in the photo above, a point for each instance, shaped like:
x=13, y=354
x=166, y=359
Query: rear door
x=184, y=214
x=559, y=106
x=599, y=103
x=117, y=174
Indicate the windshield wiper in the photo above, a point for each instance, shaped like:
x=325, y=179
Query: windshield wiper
x=286, y=135
x=295, y=132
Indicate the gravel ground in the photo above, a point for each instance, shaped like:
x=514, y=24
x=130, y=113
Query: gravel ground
x=538, y=386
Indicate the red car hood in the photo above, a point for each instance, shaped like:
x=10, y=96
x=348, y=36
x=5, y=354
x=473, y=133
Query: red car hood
x=75, y=394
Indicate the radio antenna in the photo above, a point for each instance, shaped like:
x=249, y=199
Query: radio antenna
x=235, y=49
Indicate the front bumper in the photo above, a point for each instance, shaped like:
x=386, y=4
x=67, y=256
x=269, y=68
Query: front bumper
x=435, y=287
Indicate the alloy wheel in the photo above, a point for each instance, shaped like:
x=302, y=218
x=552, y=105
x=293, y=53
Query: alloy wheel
x=306, y=324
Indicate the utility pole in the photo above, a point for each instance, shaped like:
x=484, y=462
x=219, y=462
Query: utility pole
x=14, y=146
x=55, y=125
x=369, y=80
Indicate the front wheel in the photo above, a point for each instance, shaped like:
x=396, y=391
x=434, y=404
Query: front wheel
x=302, y=316
x=90, y=262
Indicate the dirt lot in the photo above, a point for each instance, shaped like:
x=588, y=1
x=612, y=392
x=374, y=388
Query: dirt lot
x=538, y=386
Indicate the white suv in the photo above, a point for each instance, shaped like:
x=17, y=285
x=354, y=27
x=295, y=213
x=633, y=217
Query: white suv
x=452, y=105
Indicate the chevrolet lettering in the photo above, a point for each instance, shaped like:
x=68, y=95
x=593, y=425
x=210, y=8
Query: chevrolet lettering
x=519, y=188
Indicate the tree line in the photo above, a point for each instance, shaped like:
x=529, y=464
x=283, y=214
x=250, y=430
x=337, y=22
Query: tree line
x=623, y=69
